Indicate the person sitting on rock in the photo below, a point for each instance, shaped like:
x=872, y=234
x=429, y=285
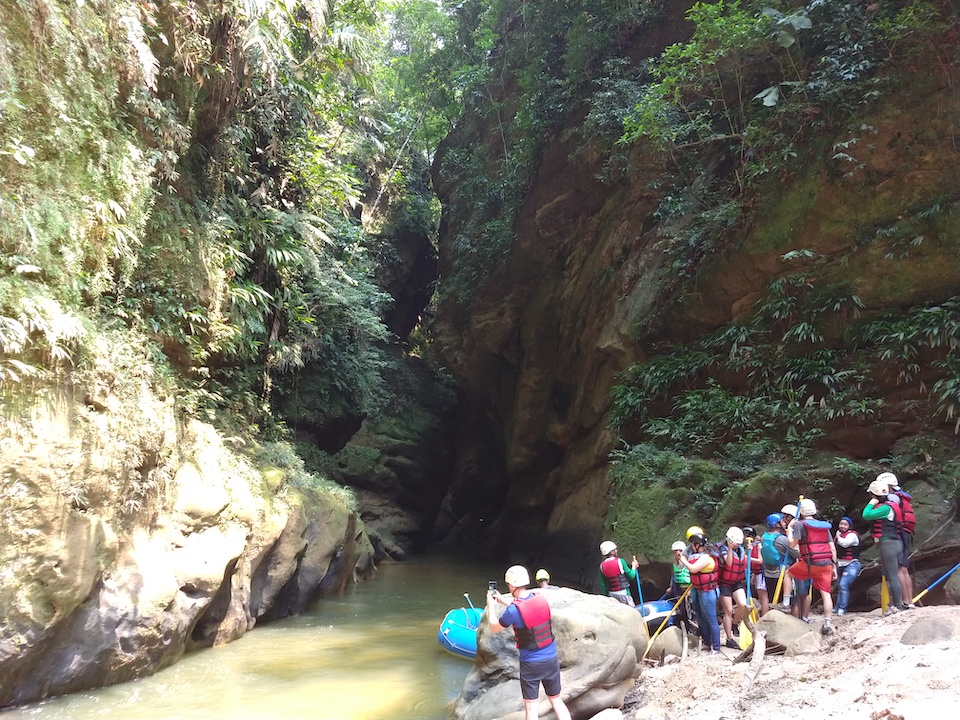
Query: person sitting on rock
x=817, y=561
x=848, y=561
x=529, y=615
x=615, y=574
x=703, y=582
x=732, y=582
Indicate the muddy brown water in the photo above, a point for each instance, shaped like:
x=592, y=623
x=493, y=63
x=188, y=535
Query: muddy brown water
x=371, y=654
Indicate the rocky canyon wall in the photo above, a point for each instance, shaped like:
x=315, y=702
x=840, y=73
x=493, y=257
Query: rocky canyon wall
x=586, y=289
x=123, y=549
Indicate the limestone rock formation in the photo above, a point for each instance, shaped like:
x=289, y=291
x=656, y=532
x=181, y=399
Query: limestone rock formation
x=600, y=643
x=110, y=575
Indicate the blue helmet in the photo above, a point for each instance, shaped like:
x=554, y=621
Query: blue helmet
x=773, y=519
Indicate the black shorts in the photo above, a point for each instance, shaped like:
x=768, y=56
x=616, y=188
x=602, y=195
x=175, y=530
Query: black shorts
x=729, y=590
x=903, y=559
x=534, y=673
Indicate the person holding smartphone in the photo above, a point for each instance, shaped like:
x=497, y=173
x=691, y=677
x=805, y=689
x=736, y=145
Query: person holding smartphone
x=529, y=615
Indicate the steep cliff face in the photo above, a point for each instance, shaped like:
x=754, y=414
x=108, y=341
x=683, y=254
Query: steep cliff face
x=589, y=288
x=122, y=550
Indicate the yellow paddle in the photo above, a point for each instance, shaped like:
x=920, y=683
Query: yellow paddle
x=664, y=623
x=884, y=596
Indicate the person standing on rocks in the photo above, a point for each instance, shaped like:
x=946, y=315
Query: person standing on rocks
x=732, y=582
x=788, y=513
x=887, y=519
x=529, y=614
x=703, y=579
x=847, y=541
x=909, y=524
x=615, y=574
x=817, y=561
x=775, y=553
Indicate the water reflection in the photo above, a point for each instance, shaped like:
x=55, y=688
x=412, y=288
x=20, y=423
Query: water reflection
x=370, y=655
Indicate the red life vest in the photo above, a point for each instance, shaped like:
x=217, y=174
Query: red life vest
x=613, y=572
x=885, y=527
x=848, y=553
x=736, y=572
x=906, y=508
x=815, y=545
x=707, y=579
x=537, y=632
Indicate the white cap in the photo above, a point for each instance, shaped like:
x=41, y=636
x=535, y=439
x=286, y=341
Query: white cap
x=607, y=547
x=889, y=478
x=517, y=576
x=808, y=507
x=880, y=486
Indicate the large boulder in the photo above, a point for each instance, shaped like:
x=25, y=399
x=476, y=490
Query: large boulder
x=600, y=643
x=108, y=574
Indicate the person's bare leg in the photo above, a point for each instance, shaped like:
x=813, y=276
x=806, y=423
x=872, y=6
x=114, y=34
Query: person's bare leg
x=727, y=604
x=906, y=584
x=764, y=601
x=559, y=708
x=531, y=709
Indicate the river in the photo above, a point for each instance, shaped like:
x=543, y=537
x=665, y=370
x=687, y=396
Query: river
x=371, y=654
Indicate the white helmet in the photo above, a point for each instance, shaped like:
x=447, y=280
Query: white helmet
x=808, y=507
x=888, y=478
x=607, y=547
x=679, y=545
x=880, y=486
x=542, y=574
x=735, y=536
x=790, y=510
x=517, y=576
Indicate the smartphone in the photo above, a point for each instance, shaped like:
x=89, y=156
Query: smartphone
x=492, y=585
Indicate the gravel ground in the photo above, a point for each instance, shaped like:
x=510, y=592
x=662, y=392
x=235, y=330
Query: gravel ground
x=862, y=671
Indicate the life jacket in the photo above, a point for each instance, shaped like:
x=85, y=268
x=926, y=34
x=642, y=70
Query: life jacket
x=768, y=550
x=737, y=570
x=537, y=632
x=885, y=527
x=848, y=553
x=681, y=575
x=707, y=579
x=613, y=571
x=815, y=545
x=906, y=508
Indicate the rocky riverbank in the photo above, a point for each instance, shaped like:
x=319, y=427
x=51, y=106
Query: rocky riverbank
x=904, y=666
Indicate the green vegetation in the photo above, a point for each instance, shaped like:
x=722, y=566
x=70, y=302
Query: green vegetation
x=741, y=105
x=188, y=173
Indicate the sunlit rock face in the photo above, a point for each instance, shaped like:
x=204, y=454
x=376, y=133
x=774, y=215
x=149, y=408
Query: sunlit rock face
x=98, y=589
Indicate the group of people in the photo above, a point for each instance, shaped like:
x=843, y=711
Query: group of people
x=796, y=554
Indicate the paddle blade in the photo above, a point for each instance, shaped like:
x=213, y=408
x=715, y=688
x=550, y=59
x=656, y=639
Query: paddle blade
x=746, y=637
x=884, y=596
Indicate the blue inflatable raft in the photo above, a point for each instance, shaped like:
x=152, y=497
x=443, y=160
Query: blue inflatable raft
x=655, y=611
x=458, y=631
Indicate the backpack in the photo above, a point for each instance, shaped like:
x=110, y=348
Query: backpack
x=906, y=507
x=768, y=551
